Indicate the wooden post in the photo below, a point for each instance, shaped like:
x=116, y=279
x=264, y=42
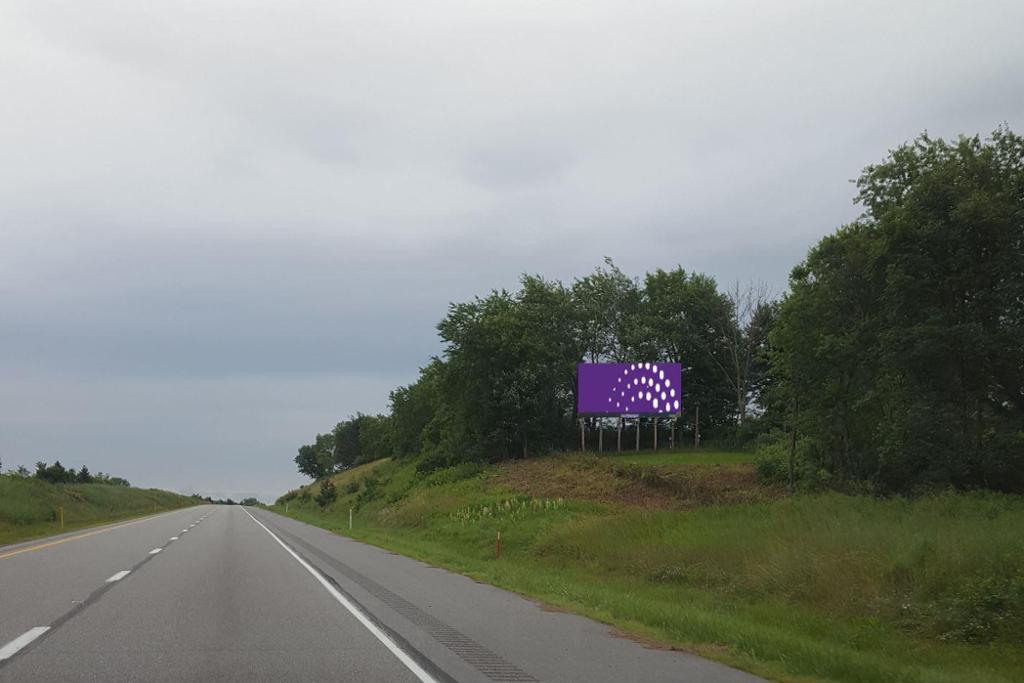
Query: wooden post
x=62, y=517
x=583, y=436
x=600, y=435
x=638, y=434
x=655, y=432
x=672, y=434
x=792, y=445
x=497, y=547
x=696, y=428
x=620, y=434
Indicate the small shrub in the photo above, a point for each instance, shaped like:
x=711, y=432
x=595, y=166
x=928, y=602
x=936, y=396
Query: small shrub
x=371, y=489
x=352, y=486
x=450, y=475
x=771, y=462
x=328, y=493
x=643, y=474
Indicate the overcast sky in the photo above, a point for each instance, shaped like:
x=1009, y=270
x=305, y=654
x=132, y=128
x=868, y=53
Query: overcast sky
x=224, y=226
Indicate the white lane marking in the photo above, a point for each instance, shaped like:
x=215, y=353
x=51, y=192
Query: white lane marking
x=118, y=576
x=398, y=652
x=184, y=531
x=154, y=551
x=11, y=648
x=174, y=538
x=101, y=530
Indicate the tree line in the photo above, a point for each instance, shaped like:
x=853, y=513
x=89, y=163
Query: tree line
x=895, y=360
x=58, y=474
x=505, y=385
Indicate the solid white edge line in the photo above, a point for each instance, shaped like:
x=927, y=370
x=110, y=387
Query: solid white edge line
x=154, y=551
x=118, y=576
x=398, y=652
x=11, y=648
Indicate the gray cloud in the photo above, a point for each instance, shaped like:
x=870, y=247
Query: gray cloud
x=226, y=225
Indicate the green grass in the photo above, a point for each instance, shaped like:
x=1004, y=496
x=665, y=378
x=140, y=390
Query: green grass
x=815, y=587
x=29, y=508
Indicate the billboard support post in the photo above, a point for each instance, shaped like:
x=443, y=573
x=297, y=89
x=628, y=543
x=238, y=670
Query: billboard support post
x=600, y=435
x=620, y=434
x=637, y=434
x=696, y=428
x=655, y=433
x=583, y=436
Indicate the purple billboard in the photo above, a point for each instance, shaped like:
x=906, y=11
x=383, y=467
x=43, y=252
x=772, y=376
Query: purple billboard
x=628, y=388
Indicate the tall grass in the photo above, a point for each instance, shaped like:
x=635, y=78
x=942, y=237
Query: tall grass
x=816, y=587
x=682, y=457
x=949, y=567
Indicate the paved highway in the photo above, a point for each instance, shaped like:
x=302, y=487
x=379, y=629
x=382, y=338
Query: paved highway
x=224, y=593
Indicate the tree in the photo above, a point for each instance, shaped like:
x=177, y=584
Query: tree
x=413, y=407
x=743, y=325
x=903, y=333
x=55, y=473
x=345, y=439
x=606, y=304
x=375, y=437
x=317, y=460
x=84, y=477
x=508, y=371
x=681, y=320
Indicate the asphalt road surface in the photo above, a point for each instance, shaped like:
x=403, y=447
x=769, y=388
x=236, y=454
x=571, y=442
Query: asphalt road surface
x=225, y=593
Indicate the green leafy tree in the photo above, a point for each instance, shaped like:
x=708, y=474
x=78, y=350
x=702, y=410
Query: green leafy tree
x=345, y=443
x=413, y=407
x=606, y=304
x=682, y=320
x=900, y=348
x=509, y=364
x=309, y=462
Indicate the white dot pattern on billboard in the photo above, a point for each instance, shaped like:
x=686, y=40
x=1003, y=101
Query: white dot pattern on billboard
x=646, y=375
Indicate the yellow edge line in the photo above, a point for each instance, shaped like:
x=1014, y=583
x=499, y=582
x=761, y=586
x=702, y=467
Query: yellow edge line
x=19, y=551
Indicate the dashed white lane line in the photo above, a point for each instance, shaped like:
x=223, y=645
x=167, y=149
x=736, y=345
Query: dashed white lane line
x=118, y=576
x=384, y=638
x=184, y=531
x=174, y=538
x=11, y=648
x=154, y=551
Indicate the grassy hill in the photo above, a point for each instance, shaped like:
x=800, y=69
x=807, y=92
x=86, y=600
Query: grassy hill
x=29, y=508
x=689, y=550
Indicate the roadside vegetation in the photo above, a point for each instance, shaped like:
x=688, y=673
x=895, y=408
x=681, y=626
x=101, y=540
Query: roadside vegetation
x=814, y=586
x=30, y=506
x=860, y=519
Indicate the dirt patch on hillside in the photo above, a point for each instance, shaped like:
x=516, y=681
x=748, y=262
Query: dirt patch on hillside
x=662, y=487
